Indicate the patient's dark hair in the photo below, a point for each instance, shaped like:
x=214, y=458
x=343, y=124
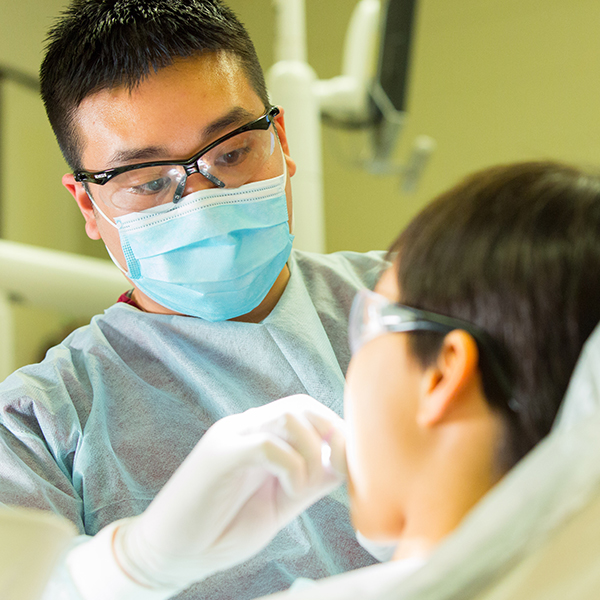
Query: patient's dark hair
x=515, y=250
x=103, y=44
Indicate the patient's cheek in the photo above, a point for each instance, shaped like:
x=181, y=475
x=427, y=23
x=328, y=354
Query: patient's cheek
x=380, y=404
x=365, y=449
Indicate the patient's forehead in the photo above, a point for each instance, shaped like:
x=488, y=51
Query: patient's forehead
x=388, y=284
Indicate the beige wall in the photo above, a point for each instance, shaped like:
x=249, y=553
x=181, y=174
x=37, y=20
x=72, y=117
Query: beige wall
x=37, y=209
x=492, y=81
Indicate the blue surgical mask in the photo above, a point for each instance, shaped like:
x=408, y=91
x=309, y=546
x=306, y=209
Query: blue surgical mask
x=215, y=254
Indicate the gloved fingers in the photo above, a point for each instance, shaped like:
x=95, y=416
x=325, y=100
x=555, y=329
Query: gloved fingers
x=329, y=426
x=300, y=434
x=313, y=431
x=332, y=431
x=285, y=463
x=320, y=416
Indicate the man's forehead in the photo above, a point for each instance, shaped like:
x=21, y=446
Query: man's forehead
x=207, y=84
x=174, y=110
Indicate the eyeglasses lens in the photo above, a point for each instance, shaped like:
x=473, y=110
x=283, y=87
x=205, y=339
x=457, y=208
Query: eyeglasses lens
x=234, y=162
x=365, y=322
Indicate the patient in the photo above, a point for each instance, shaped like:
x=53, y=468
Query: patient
x=450, y=406
x=463, y=353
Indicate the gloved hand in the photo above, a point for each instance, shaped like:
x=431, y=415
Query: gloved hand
x=248, y=477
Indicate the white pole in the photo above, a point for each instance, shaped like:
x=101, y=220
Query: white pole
x=291, y=85
x=290, y=30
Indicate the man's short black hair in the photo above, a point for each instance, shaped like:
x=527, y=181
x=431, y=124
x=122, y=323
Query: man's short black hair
x=104, y=44
x=514, y=249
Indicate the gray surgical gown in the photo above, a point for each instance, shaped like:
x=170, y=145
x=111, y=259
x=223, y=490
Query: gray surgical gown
x=94, y=431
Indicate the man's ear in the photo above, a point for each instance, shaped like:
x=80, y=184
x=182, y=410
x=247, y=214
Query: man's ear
x=280, y=126
x=453, y=374
x=86, y=207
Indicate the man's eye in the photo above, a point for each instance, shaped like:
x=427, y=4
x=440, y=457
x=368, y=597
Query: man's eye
x=233, y=157
x=156, y=186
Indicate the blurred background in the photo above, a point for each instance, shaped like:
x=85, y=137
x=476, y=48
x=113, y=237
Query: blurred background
x=490, y=81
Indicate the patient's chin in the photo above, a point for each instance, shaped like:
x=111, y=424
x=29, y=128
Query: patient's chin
x=375, y=522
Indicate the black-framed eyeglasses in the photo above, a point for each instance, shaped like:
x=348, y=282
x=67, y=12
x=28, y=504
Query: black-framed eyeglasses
x=230, y=161
x=373, y=315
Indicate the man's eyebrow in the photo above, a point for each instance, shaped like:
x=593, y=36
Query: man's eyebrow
x=149, y=153
x=236, y=116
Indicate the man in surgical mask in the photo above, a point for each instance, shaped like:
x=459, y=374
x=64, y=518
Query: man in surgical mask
x=207, y=235
x=181, y=165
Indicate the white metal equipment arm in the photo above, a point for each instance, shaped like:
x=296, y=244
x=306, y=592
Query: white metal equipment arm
x=75, y=285
x=347, y=99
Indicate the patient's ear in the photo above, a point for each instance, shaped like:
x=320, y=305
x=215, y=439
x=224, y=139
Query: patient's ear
x=450, y=380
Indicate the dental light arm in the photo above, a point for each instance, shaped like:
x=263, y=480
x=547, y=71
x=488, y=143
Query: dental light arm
x=345, y=98
x=372, y=91
x=248, y=477
x=370, y=94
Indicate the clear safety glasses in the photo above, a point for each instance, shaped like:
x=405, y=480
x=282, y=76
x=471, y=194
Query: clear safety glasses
x=229, y=162
x=373, y=315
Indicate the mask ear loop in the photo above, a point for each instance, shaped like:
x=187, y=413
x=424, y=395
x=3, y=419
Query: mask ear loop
x=285, y=173
x=285, y=176
x=110, y=222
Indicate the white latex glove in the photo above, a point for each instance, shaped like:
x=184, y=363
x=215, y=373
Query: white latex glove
x=248, y=477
